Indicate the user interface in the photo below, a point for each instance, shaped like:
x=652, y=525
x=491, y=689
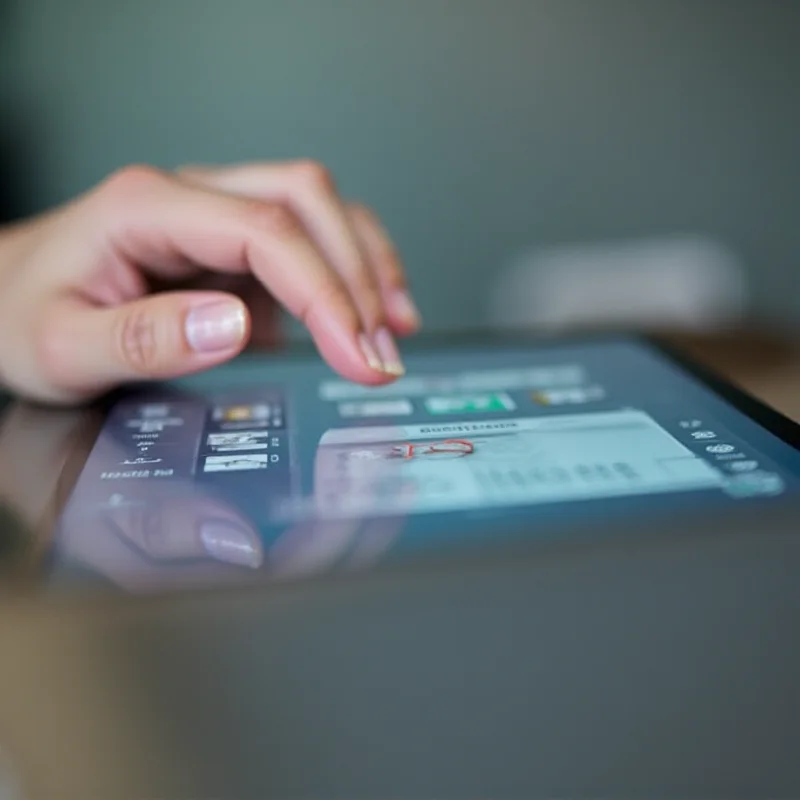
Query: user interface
x=273, y=469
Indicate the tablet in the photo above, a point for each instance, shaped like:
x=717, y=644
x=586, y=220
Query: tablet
x=528, y=569
x=274, y=469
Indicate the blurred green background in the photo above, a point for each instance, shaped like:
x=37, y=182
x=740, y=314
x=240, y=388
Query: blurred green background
x=477, y=128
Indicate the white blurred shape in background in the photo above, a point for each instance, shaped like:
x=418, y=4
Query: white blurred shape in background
x=690, y=283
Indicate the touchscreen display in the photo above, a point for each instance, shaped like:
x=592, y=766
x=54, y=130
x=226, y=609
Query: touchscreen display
x=277, y=469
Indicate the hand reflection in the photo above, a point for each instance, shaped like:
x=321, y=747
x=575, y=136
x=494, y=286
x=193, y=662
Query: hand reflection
x=185, y=538
x=170, y=533
x=179, y=535
x=186, y=526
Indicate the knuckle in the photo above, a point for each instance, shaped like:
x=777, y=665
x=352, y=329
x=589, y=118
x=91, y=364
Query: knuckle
x=313, y=175
x=275, y=220
x=131, y=183
x=137, y=339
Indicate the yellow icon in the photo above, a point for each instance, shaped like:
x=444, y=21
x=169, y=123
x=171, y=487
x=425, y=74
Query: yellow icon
x=237, y=413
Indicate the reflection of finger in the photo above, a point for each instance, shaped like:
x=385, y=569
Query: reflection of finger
x=143, y=527
x=230, y=543
x=101, y=548
x=378, y=535
x=375, y=539
x=188, y=528
x=311, y=548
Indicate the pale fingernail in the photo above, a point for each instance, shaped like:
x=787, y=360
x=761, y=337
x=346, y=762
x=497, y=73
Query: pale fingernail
x=387, y=349
x=404, y=307
x=216, y=326
x=370, y=353
x=228, y=543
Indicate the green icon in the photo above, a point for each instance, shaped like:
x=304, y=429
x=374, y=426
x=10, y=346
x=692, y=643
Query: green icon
x=470, y=404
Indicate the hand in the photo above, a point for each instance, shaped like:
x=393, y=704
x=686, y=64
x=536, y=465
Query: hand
x=154, y=274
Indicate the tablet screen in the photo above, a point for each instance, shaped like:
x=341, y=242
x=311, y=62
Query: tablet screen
x=278, y=469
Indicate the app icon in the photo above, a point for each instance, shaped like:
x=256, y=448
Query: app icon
x=572, y=396
x=154, y=410
x=690, y=424
x=704, y=435
x=720, y=449
x=470, y=404
x=376, y=408
x=241, y=440
x=236, y=463
x=743, y=466
x=154, y=425
x=241, y=413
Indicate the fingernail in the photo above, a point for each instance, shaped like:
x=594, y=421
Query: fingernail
x=229, y=543
x=405, y=308
x=216, y=326
x=370, y=353
x=388, y=352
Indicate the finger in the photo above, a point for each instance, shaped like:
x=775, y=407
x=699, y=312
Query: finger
x=89, y=349
x=308, y=189
x=375, y=242
x=150, y=215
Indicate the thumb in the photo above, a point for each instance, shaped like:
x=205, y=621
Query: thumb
x=155, y=337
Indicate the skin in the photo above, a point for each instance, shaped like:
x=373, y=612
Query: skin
x=157, y=274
